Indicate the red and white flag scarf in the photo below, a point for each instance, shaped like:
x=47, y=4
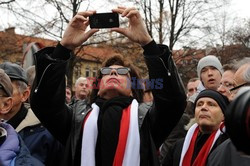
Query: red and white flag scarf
x=189, y=143
x=128, y=148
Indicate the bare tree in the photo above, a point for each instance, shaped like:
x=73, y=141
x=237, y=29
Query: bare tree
x=48, y=18
x=2, y=2
x=240, y=34
x=174, y=19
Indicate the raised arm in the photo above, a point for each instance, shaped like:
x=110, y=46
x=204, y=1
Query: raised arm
x=48, y=94
x=170, y=98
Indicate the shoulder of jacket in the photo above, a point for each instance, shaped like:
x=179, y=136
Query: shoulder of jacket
x=142, y=111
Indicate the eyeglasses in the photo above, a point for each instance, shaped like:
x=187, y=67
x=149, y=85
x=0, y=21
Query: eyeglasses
x=239, y=86
x=227, y=85
x=120, y=71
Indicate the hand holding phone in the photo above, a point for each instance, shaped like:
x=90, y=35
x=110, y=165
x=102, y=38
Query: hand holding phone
x=104, y=20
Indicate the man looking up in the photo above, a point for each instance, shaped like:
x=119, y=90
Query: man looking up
x=209, y=71
x=110, y=131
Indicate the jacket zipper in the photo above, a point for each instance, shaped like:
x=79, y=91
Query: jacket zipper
x=169, y=74
x=35, y=91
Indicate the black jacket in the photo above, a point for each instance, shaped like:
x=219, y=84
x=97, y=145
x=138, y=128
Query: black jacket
x=48, y=102
x=227, y=154
x=174, y=155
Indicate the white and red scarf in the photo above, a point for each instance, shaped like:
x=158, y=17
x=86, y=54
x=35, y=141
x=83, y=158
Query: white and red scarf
x=128, y=148
x=189, y=143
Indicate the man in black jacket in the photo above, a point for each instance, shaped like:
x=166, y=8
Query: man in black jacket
x=205, y=135
x=117, y=129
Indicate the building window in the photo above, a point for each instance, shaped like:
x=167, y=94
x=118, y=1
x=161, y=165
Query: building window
x=87, y=72
x=94, y=72
x=78, y=70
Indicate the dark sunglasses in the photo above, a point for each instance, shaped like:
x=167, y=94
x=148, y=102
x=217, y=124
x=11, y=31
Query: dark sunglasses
x=239, y=86
x=120, y=71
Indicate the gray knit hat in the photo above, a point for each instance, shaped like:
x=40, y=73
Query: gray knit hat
x=209, y=60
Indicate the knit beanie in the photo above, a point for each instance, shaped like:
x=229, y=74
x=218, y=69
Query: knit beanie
x=222, y=100
x=209, y=60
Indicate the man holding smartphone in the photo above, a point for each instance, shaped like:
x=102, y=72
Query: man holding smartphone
x=116, y=128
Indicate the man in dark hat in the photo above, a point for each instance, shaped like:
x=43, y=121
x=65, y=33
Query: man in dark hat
x=20, y=92
x=12, y=149
x=203, y=136
x=6, y=90
x=39, y=141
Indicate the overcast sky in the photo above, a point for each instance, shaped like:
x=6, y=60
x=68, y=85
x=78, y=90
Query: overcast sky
x=238, y=8
x=241, y=8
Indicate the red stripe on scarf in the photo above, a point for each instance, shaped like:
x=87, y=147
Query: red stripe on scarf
x=203, y=154
x=120, y=150
x=188, y=156
x=85, y=119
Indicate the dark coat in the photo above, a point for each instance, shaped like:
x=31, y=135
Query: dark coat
x=227, y=154
x=24, y=157
x=41, y=144
x=174, y=155
x=178, y=133
x=66, y=125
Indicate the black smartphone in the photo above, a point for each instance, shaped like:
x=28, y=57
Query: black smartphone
x=104, y=20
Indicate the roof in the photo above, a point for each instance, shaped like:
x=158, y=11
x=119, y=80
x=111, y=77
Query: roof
x=12, y=43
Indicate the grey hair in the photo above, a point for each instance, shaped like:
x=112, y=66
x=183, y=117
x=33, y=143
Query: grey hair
x=245, y=60
x=80, y=79
x=246, y=75
x=31, y=72
x=22, y=86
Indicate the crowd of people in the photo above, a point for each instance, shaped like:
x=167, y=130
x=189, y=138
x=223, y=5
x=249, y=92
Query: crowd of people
x=117, y=123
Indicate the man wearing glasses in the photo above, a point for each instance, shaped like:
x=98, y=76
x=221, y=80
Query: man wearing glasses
x=227, y=82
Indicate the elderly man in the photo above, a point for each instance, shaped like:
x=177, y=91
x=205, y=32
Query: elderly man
x=12, y=149
x=36, y=137
x=82, y=89
x=205, y=135
x=117, y=128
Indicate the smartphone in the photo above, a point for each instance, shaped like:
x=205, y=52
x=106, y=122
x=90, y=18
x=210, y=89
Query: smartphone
x=104, y=20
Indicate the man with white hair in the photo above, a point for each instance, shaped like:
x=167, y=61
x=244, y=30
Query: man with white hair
x=81, y=88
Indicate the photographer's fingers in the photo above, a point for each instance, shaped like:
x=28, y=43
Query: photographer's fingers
x=119, y=10
x=79, y=18
x=86, y=13
x=83, y=16
x=125, y=12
